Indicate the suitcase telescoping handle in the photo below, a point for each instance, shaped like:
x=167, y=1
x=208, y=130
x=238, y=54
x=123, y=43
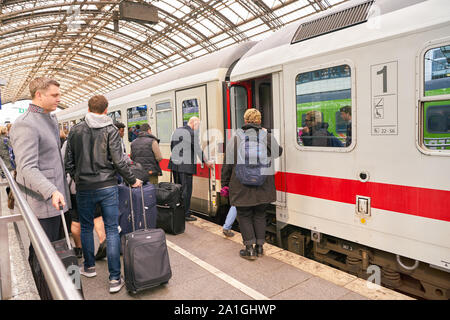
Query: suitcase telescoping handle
x=66, y=232
x=143, y=209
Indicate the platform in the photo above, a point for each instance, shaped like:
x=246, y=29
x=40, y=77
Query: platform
x=206, y=266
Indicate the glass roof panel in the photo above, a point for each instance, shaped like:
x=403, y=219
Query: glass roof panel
x=77, y=39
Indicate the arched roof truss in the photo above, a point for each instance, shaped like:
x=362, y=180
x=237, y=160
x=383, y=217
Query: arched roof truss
x=75, y=42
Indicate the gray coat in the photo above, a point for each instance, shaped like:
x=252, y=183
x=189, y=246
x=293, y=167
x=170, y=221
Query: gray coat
x=40, y=171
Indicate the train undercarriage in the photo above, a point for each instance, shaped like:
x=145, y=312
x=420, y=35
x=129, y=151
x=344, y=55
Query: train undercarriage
x=416, y=279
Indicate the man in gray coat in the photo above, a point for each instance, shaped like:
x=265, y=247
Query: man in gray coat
x=40, y=170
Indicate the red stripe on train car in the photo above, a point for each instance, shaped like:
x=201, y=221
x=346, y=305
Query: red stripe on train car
x=201, y=172
x=422, y=202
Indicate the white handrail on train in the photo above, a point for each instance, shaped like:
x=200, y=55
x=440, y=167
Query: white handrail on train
x=58, y=280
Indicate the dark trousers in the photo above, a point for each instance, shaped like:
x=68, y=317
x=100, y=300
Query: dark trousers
x=51, y=228
x=185, y=179
x=252, y=223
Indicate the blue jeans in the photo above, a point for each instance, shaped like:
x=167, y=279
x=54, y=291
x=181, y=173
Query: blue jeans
x=108, y=198
x=231, y=216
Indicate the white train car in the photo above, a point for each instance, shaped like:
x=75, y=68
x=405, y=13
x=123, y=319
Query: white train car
x=166, y=101
x=381, y=202
x=384, y=199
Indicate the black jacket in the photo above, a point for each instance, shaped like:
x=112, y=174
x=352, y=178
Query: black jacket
x=94, y=156
x=184, y=140
x=142, y=152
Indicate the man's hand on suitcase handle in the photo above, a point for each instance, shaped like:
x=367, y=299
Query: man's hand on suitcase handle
x=138, y=183
x=57, y=199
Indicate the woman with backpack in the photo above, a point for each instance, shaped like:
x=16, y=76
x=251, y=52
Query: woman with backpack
x=249, y=174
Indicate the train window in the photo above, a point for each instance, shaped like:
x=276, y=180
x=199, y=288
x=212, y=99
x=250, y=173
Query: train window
x=436, y=108
x=164, y=121
x=136, y=117
x=320, y=94
x=190, y=109
x=238, y=104
x=437, y=71
x=116, y=116
x=436, y=134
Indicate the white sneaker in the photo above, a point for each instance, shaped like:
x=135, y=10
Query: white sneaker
x=88, y=272
x=116, y=285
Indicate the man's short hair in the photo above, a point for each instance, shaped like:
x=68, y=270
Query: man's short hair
x=145, y=127
x=252, y=116
x=346, y=109
x=98, y=104
x=41, y=83
x=119, y=125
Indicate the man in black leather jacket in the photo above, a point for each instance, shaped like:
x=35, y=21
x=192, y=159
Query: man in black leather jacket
x=93, y=157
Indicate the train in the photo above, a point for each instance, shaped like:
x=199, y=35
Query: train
x=384, y=199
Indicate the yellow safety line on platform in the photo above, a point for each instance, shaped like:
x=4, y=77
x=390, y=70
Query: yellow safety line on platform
x=225, y=277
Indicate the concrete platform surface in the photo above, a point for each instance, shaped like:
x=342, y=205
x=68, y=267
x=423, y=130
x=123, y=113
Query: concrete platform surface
x=206, y=266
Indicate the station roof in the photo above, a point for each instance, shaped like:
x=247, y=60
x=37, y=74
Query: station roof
x=75, y=42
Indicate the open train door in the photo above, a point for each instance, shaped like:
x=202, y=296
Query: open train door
x=189, y=103
x=263, y=93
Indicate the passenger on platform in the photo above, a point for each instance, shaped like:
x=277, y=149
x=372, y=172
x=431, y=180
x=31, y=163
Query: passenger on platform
x=131, y=134
x=121, y=127
x=75, y=227
x=346, y=115
x=4, y=148
x=251, y=201
x=231, y=215
x=40, y=171
x=62, y=136
x=185, y=147
x=315, y=132
x=145, y=150
x=8, y=126
x=93, y=157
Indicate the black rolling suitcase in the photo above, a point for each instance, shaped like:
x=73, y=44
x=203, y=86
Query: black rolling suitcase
x=168, y=194
x=145, y=257
x=171, y=216
x=66, y=253
x=148, y=193
x=64, y=250
x=170, y=219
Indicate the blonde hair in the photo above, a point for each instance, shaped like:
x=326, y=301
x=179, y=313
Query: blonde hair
x=252, y=116
x=3, y=130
